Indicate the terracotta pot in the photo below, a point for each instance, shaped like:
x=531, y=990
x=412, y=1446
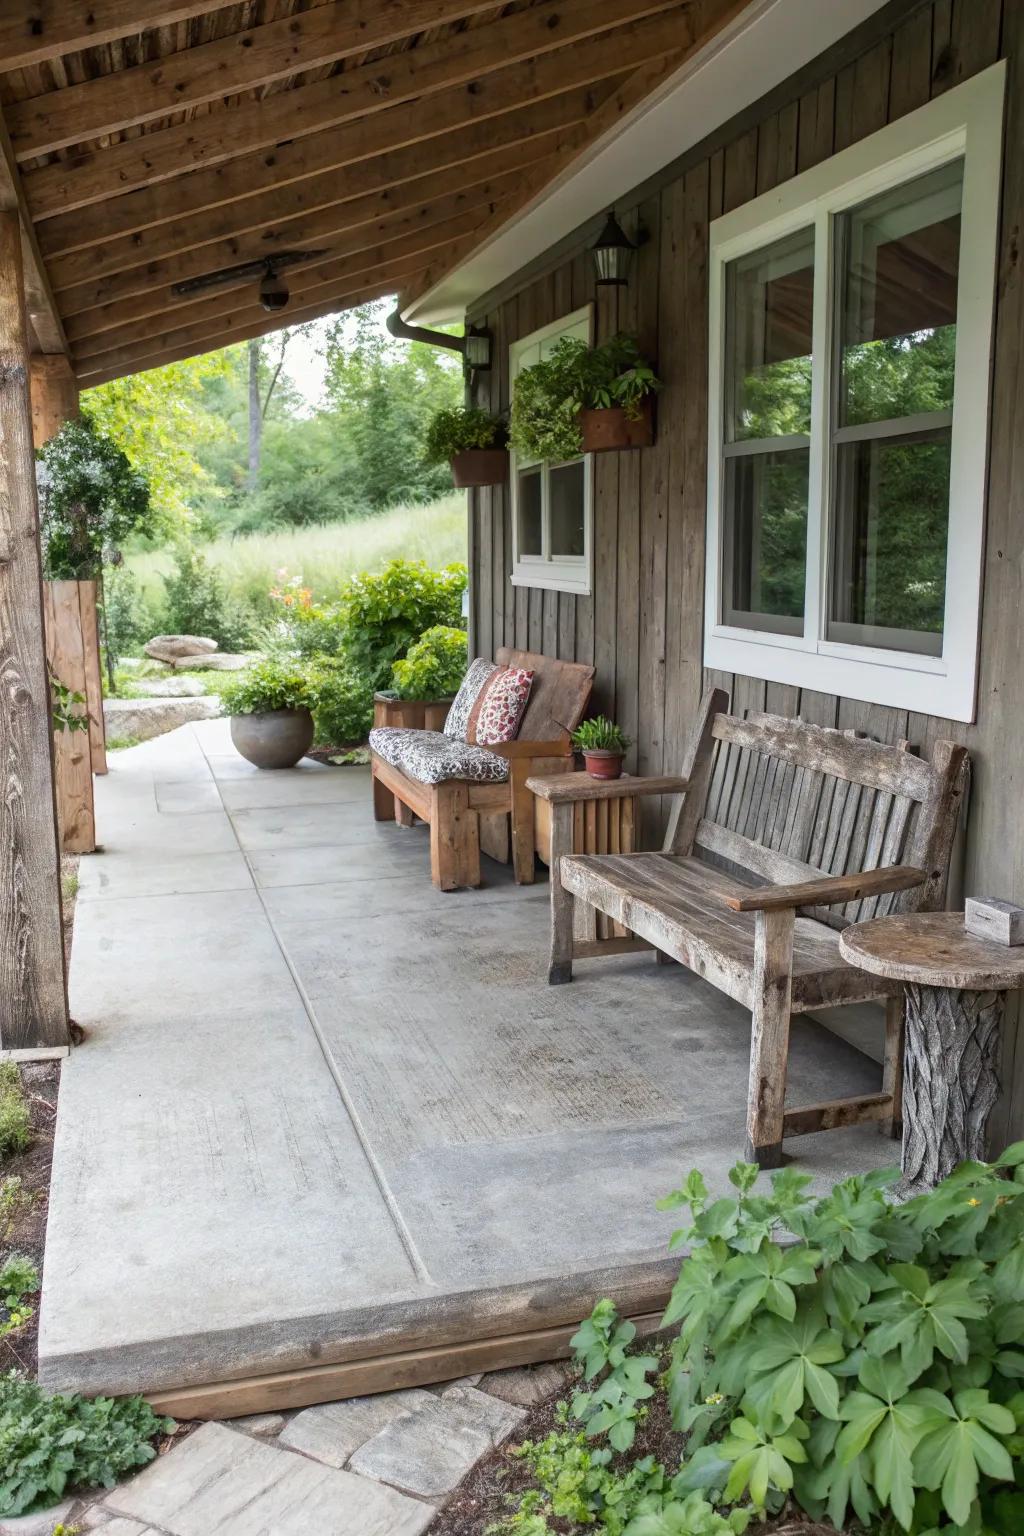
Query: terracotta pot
x=611, y=428
x=600, y=763
x=276, y=739
x=479, y=466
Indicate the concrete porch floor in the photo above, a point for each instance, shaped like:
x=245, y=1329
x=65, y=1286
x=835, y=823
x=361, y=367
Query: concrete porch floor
x=326, y=1114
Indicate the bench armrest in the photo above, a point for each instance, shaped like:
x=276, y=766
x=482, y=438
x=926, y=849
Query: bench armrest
x=511, y=749
x=830, y=890
x=571, y=788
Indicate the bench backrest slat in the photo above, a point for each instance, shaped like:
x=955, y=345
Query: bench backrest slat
x=833, y=752
x=559, y=695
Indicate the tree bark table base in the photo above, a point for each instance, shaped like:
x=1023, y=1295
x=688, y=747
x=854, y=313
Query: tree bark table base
x=954, y=988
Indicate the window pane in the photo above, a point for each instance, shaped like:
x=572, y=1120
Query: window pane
x=889, y=544
x=769, y=315
x=766, y=540
x=565, y=489
x=529, y=504
x=901, y=256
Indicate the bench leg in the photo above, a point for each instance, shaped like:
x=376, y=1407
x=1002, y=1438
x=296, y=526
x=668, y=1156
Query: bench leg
x=403, y=815
x=892, y=1071
x=562, y=901
x=769, y=1040
x=383, y=801
x=454, y=837
x=523, y=834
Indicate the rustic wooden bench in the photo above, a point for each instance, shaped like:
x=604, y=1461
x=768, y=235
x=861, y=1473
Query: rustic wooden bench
x=465, y=816
x=781, y=834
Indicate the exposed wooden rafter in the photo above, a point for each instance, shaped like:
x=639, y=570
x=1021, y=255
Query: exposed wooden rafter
x=43, y=317
x=32, y=31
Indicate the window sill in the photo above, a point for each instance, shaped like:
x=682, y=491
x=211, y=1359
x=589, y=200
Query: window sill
x=553, y=580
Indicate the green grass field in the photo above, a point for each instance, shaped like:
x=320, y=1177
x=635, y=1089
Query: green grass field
x=324, y=556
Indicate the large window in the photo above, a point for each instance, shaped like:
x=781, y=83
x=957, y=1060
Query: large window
x=551, y=503
x=851, y=317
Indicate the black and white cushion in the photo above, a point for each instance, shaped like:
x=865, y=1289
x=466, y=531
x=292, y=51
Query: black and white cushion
x=456, y=724
x=432, y=757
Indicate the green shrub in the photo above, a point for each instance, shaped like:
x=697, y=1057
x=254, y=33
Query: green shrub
x=462, y=427
x=19, y=1277
x=316, y=630
x=384, y=614
x=342, y=702
x=15, y=1119
x=197, y=603
x=548, y=396
x=15, y=1203
x=128, y=619
x=435, y=666
x=268, y=685
x=52, y=1444
x=90, y=500
x=845, y=1352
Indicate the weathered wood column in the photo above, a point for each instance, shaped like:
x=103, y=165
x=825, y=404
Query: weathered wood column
x=54, y=394
x=33, y=986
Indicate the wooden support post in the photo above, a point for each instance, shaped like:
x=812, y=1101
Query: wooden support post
x=523, y=835
x=54, y=390
x=89, y=599
x=383, y=801
x=454, y=837
x=562, y=901
x=771, y=989
x=33, y=984
x=66, y=655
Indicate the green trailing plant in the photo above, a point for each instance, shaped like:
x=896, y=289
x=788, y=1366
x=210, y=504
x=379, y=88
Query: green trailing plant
x=267, y=686
x=52, y=1445
x=341, y=701
x=458, y=428
x=15, y=1119
x=548, y=396
x=91, y=500
x=19, y=1278
x=68, y=709
x=384, y=613
x=435, y=666
x=600, y=735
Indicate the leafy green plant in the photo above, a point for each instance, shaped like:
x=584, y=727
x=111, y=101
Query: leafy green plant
x=548, y=396
x=383, y=614
x=341, y=701
x=15, y=1119
x=198, y=604
x=19, y=1278
x=600, y=735
x=90, y=498
x=459, y=428
x=435, y=666
x=266, y=686
x=67, y=708
x=52, y=1444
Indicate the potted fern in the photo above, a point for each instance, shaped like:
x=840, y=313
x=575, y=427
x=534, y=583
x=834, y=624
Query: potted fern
x=603, y=745
x=584, y=399
x=472, y=441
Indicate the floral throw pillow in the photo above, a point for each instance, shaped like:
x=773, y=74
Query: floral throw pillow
x=499, y=707
x=456, y=722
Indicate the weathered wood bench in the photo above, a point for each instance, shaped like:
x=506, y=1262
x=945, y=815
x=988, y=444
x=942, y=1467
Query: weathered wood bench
x=464, y=815
x=781, y=834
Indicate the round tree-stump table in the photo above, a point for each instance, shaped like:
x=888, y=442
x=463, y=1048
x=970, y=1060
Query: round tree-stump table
x=954, y=987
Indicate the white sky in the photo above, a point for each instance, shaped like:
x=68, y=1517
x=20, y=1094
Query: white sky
x=305, y=364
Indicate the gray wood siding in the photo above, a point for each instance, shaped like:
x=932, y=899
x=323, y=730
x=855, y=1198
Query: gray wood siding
x=643, y=626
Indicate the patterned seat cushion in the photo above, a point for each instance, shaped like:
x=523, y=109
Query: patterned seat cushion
x=431, y=756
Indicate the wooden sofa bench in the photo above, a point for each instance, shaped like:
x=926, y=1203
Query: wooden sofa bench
x=781, y=834
x=465, y=815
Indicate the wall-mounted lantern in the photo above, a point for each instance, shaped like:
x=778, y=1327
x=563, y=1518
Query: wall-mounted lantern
x=613, y=254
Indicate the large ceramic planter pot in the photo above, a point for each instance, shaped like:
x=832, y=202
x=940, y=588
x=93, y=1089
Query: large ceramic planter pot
x=277, y=739
x=479, y=466
x=609, y=429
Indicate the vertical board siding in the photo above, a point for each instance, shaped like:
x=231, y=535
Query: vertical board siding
x=643, y=626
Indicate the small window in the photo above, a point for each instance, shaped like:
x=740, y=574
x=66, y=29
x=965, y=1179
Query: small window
x=851, y=332
x=551, y=503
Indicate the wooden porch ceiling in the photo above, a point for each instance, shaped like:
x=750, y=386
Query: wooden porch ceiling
x=150, y=143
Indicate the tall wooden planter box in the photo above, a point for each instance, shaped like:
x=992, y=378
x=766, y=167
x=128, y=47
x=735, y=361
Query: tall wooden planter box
x=71, y=627
x=412, y=714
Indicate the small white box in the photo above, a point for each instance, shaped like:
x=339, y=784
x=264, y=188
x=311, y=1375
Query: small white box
x=999, y=921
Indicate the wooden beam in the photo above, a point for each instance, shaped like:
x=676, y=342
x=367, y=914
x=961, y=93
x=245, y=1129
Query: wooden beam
x=89, y=380
x=226, y=66
x=364, y=194
x=349, y=227
x=220, y=310
x=713, y=16
x=33, y=985
x=42, y=310
x=369, y=89
x=33, y=31
x=54, y=395
x=65, y=653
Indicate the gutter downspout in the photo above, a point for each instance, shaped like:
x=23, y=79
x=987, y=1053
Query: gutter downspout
x=475, y=346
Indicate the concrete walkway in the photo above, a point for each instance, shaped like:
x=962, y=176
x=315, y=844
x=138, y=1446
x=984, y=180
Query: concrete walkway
x=325, y=1113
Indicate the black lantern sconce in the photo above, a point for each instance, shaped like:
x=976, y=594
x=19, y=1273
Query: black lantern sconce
x=613, y=254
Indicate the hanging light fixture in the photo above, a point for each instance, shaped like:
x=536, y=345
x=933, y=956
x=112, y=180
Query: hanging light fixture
x=273, y=290
x=613, y=254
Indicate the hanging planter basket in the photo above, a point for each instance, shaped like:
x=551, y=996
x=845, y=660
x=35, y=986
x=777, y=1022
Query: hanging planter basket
x=609, y=429
x=479, y=466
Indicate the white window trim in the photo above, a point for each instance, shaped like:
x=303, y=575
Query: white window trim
x=967, y=122
x=568, y=574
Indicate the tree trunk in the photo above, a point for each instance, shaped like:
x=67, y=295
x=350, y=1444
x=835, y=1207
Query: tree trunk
x=950, y=1082
x=255, y=415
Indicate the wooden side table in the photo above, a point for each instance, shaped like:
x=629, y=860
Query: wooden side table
x=602, y=826
x=955, y=988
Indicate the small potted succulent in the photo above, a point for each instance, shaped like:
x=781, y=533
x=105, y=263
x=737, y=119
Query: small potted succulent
x=584, y=399
x=603, y=745
x=270, y=710
x=474, y=443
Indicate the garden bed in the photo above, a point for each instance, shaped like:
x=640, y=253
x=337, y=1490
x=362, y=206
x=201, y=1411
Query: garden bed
x=23, y=1207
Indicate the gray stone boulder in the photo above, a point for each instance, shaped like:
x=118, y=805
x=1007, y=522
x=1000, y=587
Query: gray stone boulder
x=173, y=647
x=169, y=688
x=221, y=661
x=141, y=719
